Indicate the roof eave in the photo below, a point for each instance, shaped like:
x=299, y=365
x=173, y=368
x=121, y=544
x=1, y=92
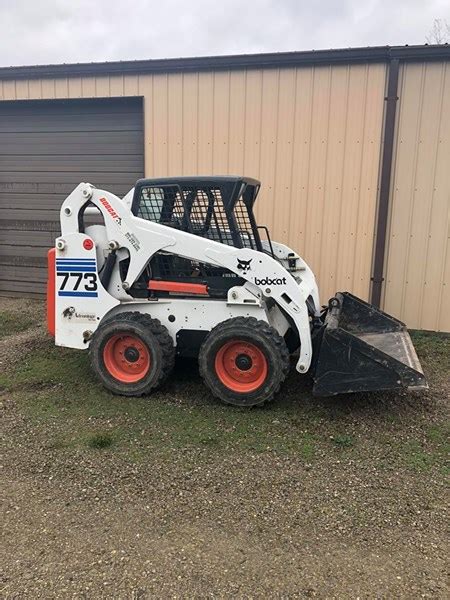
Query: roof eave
x=241, y=61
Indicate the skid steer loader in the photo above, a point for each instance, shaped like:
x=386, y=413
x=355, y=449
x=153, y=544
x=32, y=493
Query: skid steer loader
x=180, y=266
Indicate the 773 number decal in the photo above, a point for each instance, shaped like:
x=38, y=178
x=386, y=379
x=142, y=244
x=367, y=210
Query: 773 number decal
x=77, y=277
x=89, y=281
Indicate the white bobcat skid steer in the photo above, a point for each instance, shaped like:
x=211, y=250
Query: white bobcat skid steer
x=178, y=267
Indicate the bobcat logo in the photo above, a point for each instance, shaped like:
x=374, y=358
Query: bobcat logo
x=244, y=265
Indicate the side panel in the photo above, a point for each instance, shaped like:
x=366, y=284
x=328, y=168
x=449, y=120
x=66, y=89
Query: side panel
x=193, y=314
x=80, y=299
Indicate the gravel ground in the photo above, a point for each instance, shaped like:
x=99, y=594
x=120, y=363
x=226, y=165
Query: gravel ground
x=186, y=498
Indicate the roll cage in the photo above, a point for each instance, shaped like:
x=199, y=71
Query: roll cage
x=216, y=208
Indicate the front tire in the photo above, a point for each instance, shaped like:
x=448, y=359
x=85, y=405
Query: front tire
x=244, y=361
x=132, y=354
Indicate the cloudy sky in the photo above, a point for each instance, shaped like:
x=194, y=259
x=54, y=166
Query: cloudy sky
x=57, y=31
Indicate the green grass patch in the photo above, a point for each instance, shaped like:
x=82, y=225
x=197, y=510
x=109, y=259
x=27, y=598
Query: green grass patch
x=100, y=440
x=12, y=322
x=433, y=349
x=343, y=441
x=416, y=457
x=440, y=434
x=50, y=365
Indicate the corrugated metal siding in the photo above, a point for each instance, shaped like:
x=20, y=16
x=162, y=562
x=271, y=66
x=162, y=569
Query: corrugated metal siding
x=312, y=135
x=418, y=258
x=46, y=149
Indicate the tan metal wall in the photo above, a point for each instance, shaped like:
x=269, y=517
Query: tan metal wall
x=418, y=259
x=312, y=135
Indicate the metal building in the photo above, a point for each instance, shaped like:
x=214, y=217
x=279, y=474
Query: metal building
x=352, y=147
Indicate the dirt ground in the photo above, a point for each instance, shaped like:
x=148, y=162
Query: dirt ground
x=177, y=496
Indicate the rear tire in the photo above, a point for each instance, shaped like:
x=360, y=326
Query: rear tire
x=244, y=361
x=131, y=353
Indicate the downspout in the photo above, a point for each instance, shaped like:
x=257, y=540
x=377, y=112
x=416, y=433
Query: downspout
x=385, y=182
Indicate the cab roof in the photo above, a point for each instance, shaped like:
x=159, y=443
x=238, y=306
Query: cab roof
x=231, y=187
x=202, y=180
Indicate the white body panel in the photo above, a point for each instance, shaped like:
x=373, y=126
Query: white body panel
x=78, y=308
x=266, y=277
x=198, y=314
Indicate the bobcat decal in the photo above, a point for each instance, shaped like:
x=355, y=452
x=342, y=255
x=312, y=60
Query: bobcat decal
x=244, y=265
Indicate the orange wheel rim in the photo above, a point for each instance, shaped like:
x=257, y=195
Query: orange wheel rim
x=241, y=366
x=126, y=358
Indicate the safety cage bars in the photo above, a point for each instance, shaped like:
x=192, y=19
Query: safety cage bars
x=200, y=210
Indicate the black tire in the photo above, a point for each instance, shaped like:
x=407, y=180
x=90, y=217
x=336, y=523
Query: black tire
x=224, y=341
x=156, y=346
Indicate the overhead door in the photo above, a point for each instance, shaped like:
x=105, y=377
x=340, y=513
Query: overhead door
x=46, y=149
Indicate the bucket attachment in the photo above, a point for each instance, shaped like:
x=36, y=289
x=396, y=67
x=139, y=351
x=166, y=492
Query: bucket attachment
x=360, y=349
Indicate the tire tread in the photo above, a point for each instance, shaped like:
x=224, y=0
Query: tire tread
x=162, y=336
x=246, y=324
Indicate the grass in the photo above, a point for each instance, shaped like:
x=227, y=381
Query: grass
x=343, y=441
x=434, y=350
x=100, y=440
x=416, y=457
x=12, y=322
x=54, y=386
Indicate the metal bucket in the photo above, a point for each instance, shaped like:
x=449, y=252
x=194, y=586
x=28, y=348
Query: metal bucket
x=361, y=349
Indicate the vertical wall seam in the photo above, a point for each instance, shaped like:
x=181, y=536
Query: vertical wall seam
x=325, y=171
x=341, y=185
x=275, y=158
x=291, y=170
x=182, y=124
x=308, y=170
x=363, y=141
x=260, y=122
x=213, y=115
x=228, y=122
x=166, y=132
x=244, y=130
x=152, y=123
x=197, y=133
x=444, y=262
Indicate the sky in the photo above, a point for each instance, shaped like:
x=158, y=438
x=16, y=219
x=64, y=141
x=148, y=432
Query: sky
x=68, y=31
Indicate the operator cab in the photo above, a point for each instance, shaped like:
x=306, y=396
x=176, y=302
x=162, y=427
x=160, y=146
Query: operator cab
x=215, y=208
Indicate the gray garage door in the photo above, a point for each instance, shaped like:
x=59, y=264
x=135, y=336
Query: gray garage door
x=46, y=149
